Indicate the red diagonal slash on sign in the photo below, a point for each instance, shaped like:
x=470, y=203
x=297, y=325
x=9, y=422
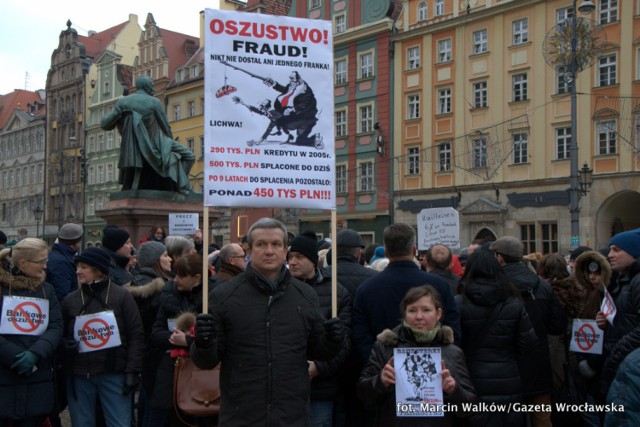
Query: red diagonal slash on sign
x=20, y=309
x=582, y=333
x=91, y=331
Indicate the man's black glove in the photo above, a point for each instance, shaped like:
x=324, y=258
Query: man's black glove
x=130, y=383
x=334, y=330
x=205, y=330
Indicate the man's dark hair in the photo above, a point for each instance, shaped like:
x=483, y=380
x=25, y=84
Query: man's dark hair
x=437, y=258
x=399, y=240
x=368, y=252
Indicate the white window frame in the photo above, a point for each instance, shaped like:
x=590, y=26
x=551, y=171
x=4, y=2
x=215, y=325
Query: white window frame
x=314, y=4
x=520, y=87
x=340, y=23
x=562, y=86
x=520, y=142
x=608, y=11
x=110, y=172
x=479, y=152
x=563, y=14
x=413, y=161
x=563, y=143
x=480, y=94
x=444, y=100
x=191, y=145
x=176, y=112
x=341, y=72
x=520, y=31
x=366, y=60
x=413, y=106
x=607, y=70
x=606, y=138
x=480, y=41
x=365, y=176
x=341, y=178
x=444, y=156
x=422, y=11
x=444, y=50
x=439, y=8
x=191, y=107
x=413, y=57
x=342, y=122
x=365, y=118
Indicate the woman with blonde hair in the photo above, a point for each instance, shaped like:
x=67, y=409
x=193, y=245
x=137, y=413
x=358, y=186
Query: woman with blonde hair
x=30, y=331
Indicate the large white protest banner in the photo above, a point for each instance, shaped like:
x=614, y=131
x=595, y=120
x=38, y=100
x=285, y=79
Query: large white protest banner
x=269, y=134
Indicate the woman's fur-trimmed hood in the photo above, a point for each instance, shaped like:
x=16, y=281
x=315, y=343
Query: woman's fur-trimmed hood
x=390, y=338
x=20, y=281
x=148, y=289
x=582, y=263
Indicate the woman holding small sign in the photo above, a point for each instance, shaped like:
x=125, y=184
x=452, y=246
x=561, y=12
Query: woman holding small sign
x=30, y=331
x=104, y=340
x=417, y=356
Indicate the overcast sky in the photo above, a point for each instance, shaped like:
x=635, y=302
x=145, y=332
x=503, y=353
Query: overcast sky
x=29, y=30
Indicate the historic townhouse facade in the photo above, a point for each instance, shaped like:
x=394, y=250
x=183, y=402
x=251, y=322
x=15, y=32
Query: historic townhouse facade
x=483, y=124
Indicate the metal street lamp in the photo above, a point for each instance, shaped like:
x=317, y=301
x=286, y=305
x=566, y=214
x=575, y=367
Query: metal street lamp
x=574, y=181
x=37, y=214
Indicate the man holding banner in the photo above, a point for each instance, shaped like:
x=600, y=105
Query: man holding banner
x=623, y=336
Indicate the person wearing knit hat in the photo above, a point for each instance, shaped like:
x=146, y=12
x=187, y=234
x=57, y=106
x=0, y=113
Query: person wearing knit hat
x=117, y=242
x=150, y=253
x=303, y=265
x=621, y=334
x=104, y=343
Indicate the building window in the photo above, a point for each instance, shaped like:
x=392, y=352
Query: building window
x=100, y=177
x=413, y=161
x=519, y=87
x=413, y=106
x=192, y=108
x=608, y=11
x=563, y=86
x=422, y=11
x=191, y=145
x=341, y=179
x=549, y=238
x=100, y=143
x=480, y=95
x=201, y=138
x=520, y=148
x=176, y=112
x=444, y=101
x=607, y=136
x=314, y=4
x=480, y=41
x=479, y=152
x=340, y=23
x=341, y=71
x=636, y=131
x=607, y=70
x=366, y=65
x=194, y=71
x=444, y=50
x=413, y=57
x=563, y=143
x=563, y=14
x=439, y=7
x=444, y=157
x=341, y=123
x=528, y=237
x=520, y=31
x=366, y=176
x=109, y=173
x=107, y=89
x=179, y=75
x=365, y=121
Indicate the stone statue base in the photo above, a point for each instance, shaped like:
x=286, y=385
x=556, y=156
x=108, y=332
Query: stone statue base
x=138, y=210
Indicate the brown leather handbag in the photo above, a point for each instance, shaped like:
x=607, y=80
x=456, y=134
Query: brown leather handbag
x=196, y=391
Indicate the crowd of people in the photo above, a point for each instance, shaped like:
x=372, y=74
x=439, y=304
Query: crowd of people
x=98, y=331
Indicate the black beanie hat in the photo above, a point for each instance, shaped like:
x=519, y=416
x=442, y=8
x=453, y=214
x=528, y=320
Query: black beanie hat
x=306, y=244
x=114, y=238
x=95, y=257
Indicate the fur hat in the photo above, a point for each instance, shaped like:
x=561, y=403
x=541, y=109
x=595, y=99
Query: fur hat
x=578, y=251
x=114, y=238
x=628, y=241
x=305, y=244
x=149, y=253
x=70, y=231
x=95, y=257
x=509, y=246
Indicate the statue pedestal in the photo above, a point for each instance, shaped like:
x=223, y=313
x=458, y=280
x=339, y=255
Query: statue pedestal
x=138, y=210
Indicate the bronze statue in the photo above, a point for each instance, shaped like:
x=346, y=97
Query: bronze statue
x=150, y=159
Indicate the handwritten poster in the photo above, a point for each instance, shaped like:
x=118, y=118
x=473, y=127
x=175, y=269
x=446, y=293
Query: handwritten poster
x=269, y=126
x=438, y=225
